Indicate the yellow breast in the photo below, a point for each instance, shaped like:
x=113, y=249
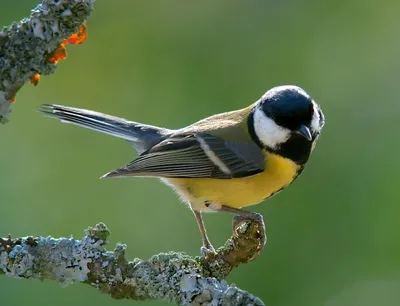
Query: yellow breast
x=238, y=192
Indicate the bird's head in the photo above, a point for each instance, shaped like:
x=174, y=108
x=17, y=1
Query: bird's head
x=286, y=115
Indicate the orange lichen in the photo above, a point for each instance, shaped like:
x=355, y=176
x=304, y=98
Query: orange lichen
x=12, y=100
x=35, y=79
x=58, y=54
x=77, y=38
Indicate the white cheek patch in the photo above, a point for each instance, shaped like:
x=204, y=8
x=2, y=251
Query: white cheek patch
x=315, y=121
x=269, y=133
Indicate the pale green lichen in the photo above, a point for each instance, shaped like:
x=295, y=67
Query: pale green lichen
x=25, y=46
x=64, y=260
x=173, y=277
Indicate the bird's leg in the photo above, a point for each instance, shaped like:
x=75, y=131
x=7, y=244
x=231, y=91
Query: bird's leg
x=240, y=216
x=207, y=249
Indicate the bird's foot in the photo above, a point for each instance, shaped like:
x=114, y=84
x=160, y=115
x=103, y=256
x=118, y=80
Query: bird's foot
x=239, y=224
x=208, y=251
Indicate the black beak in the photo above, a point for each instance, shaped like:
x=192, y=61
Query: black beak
x=305, y=132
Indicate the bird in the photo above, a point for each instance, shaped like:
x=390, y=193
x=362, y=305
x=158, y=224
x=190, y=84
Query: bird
x=221, y=163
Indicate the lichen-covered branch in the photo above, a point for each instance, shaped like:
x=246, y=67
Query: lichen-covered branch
x=28, y=47
x=173, y=277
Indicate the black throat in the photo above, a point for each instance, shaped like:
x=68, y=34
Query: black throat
x=296, y=148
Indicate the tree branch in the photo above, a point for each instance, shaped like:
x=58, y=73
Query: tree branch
x=28, y=47
x=173, y=277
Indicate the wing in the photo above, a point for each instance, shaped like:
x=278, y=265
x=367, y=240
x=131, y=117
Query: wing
x=198, y=155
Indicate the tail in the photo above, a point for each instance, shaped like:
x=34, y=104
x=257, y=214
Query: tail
x=141, y=136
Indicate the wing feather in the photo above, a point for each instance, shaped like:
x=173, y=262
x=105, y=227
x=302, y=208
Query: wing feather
x=197, y=155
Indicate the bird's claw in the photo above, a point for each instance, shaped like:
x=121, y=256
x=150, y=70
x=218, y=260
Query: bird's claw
x=238, y=221
x=208, y=252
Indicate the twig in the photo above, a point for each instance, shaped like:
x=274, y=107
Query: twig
x=28, y=47
x=173, y=277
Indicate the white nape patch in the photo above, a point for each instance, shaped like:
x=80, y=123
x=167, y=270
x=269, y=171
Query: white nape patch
x=211, y=155
x=269, y=133
x=315, y=121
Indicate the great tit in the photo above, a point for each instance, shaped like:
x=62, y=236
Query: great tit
x=221, y=163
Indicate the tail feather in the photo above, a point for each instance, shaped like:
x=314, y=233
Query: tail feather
x=141, y=136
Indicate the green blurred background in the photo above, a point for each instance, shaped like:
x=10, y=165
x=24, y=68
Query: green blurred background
x=332, y=236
